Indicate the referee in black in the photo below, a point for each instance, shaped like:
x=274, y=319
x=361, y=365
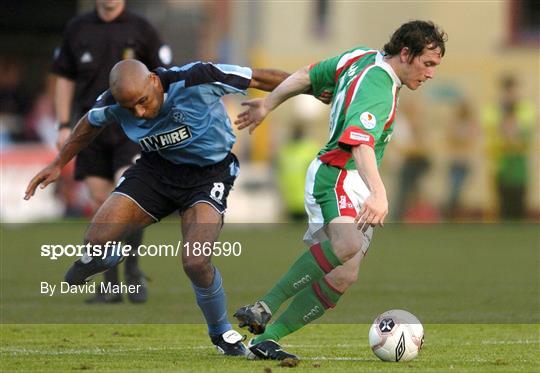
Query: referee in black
x=92, y=44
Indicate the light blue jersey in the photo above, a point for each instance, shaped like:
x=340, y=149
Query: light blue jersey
x=192, y=127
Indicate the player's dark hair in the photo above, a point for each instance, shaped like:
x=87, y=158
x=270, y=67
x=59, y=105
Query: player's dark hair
x=416, y=35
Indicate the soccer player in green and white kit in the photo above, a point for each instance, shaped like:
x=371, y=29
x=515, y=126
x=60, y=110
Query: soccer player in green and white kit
x=344, y=196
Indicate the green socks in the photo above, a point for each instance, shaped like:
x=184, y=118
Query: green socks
x=310, y=267
x=307, y=306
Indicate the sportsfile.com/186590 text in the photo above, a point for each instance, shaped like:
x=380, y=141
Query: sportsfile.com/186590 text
x=114, y=248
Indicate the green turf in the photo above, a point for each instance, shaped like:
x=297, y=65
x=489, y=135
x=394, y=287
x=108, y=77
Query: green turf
x=459, y=348
x=486, y=276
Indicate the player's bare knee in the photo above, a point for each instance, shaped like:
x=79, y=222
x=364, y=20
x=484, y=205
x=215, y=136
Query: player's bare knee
x=194, y=265
x=347, y=247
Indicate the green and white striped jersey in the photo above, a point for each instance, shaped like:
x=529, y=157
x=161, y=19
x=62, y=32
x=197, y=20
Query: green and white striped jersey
x=365, y=91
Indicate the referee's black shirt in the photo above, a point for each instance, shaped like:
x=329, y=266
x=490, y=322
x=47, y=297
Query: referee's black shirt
x=91, y=47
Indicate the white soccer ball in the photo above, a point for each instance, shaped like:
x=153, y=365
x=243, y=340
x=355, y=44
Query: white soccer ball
x=396, y=335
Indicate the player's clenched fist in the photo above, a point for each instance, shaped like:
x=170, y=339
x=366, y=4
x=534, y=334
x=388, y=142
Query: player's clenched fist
x=46, y=176
x=253, y=116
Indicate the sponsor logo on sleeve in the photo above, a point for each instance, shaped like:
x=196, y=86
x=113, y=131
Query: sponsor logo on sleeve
x=357, y=136
x=368, y=120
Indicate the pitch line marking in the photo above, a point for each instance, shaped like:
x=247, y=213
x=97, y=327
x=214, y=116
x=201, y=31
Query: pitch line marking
x=102, y=351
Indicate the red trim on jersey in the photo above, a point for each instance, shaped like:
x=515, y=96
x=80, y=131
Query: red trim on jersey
x=332, y=286
x=345, y=205
x=352, y=136
x=352, y=88
x=355, y=136
x=327, y=303
x=337, y=158
x=393, y=116
x=320, y=258
x=350, y=62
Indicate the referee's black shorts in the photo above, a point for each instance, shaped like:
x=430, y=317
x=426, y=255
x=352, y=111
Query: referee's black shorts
x=110, y=151
x=161, y=187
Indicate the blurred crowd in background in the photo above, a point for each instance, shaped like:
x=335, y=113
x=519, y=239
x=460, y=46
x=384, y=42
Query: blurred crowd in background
x=475, y=160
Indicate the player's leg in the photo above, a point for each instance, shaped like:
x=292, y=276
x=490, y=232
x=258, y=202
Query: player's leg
x=93, y=167
x=322, y=294
x=135, y=203
x=99, y=189
x=322, y=205
x=310, y=266
x=118, y=217
x=134, y=276
x=124, y=153
x=334, y=195
x=132, y=272
x=350, y=245
x=308, y=305
x=201, y=224
x=321, y=258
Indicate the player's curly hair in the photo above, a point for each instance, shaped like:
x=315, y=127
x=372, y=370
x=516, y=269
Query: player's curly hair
x=416, y=35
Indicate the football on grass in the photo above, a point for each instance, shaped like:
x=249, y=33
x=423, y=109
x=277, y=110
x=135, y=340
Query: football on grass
x=396, y=335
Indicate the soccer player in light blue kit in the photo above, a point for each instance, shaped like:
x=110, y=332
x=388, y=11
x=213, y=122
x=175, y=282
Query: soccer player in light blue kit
x=178, y=119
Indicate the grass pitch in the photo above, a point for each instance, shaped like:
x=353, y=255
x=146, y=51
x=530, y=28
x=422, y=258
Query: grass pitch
x=322, y=348
x=475, y=288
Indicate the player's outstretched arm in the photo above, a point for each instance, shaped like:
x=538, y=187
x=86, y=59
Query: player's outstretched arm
x=375, y=208
x=82, y=135
x=258, y=109
x=267, y=79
